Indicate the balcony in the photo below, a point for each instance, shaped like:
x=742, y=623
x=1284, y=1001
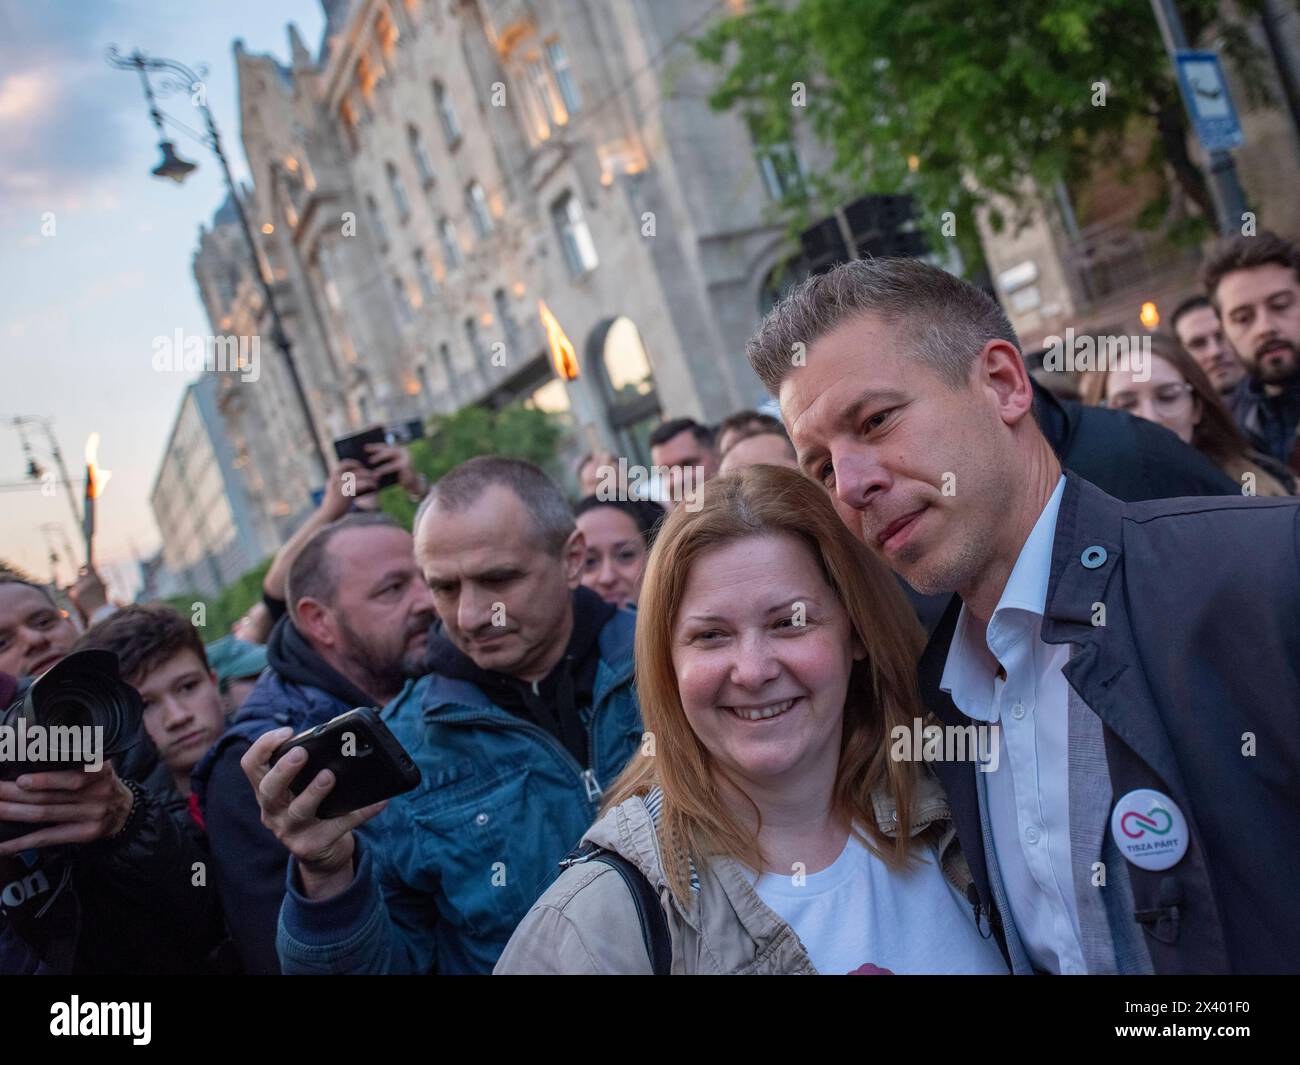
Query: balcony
x=1111, y=260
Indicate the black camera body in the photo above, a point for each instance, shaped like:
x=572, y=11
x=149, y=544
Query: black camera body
x=77, y=713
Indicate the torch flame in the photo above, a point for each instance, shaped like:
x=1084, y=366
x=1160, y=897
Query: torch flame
x=563, y=358
x=95, y=477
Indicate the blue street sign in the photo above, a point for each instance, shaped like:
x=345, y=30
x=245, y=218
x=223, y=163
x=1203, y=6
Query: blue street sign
x=1205, y=92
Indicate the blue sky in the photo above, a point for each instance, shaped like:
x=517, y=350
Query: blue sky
x=79, y=309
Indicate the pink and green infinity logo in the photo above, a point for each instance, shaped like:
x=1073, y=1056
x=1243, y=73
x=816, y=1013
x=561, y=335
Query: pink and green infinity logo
x=1146, y=822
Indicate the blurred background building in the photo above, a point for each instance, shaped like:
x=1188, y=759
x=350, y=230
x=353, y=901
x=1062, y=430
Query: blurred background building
x=211, y=529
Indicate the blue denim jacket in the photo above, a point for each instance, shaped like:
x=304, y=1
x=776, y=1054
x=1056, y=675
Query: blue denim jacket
x=456, y=864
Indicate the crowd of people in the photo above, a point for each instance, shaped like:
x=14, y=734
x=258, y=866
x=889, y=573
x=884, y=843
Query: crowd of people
x=659, y=732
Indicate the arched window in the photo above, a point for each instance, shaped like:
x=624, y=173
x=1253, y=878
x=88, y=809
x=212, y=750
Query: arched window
x=423, y=166
x=428, y=286
x=476, y=202
x=617, y=357
x=446, y=114
x=450, y=245
x=403, y=296
x=377, y=220
x=509, y=327
x=782, y=170
x=398, y=191
x=559, y=61
x=575, y=238
x=475, y=342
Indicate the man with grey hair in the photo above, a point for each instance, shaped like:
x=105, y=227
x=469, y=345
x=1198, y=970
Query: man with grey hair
x=1128, y=654
x=357, y=630
x=528, y=712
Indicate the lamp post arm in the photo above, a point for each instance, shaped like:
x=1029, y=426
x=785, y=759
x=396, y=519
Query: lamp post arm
x=138, y=61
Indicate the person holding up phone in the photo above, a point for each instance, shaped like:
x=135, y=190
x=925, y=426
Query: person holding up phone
x=527, y=712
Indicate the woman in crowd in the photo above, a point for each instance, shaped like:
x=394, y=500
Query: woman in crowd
x=775, y=657
x=618, y=534
x=1179, y=396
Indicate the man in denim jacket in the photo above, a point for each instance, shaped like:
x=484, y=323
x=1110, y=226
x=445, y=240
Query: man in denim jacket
x=530, y=710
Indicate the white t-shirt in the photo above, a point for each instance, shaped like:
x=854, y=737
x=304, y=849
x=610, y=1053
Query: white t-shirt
x=858, y=911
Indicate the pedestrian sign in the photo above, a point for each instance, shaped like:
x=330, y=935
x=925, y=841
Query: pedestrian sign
x=1205, y=92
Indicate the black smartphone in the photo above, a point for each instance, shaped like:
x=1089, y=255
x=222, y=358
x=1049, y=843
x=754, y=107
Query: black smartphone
x=353, y=446
x=367, y=761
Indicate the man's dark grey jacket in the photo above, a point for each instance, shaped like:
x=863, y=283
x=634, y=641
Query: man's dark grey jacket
x=1195, y=676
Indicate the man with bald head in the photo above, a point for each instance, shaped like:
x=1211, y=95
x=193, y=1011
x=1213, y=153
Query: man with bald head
x=356, y=631
x=528, y=713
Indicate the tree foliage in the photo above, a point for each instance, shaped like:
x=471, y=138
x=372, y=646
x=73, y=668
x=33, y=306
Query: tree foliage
x=515, y=432
x=959, y=101
x=222, y=611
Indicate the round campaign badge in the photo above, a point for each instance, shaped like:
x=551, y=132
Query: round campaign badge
x=1149, y=829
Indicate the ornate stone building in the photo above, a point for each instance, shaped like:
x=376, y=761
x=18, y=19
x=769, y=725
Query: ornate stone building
x=443, y=166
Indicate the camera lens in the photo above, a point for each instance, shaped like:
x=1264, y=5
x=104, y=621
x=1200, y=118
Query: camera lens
x=86, y=697
x=66, y=709
x=82, y=691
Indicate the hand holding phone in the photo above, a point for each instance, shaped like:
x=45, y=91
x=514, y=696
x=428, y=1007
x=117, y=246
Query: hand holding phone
x=292, y=791
x=367, y=762
x=356, y=446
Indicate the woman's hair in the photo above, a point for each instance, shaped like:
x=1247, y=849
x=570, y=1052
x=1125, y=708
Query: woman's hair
x=645, y=515
x=1215, y=434
x=770, y=501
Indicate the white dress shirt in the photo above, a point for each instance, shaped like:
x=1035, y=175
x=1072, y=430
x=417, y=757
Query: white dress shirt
x=1028, y=795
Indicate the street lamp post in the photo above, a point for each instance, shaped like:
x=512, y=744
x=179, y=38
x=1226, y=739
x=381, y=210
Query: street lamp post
x=20, y=421
x=1228, y=196
x=178, y=170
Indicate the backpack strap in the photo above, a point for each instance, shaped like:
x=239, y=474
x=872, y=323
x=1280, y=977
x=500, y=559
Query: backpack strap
x=649, y=910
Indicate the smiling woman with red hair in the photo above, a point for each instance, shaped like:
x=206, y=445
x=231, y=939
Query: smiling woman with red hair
x=775, y=659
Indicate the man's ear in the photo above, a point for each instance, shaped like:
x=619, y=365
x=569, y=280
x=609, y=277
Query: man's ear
x=572, y=556
x=1002, y=372
x=315, y=621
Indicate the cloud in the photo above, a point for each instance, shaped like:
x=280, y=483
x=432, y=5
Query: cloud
x=57, y=122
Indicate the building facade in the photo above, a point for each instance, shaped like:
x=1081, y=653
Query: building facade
x=211, y=530
x=442, y=168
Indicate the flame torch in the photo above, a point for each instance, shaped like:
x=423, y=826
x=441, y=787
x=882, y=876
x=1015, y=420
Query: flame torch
x=95, y=481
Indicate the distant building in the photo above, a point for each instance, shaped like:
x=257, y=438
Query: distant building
x=210, y=531
x=264, y=428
